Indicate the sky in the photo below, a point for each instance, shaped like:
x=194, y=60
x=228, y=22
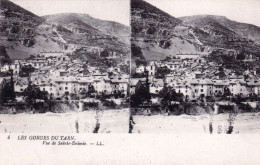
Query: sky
x=245, y=11
x=112, y=10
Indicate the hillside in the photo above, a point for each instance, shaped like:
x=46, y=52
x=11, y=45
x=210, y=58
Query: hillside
x=220, y=32
x=11, y=10
x=145, y=19
x=245, y=30
x=106, y=27
x=84, y=30
x=23, y=33
x=158, y=35
x=17, y=27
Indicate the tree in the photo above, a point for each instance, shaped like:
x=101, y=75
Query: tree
x=29, y=94
x=140, y=96
x=104, y=53
x=226, y=92
x=26, y=70
x=162, y=72
x=5, y=61
x=138, y=75
x=4, y=93
x=165, y=44
x=169, y=95
x=8, y=93
x=168, y=59
x=4, y=56
x=151, y=30
x=241, y=56
x=136, y=51
x=11, y=90
x=32, y=93
x=91, y=90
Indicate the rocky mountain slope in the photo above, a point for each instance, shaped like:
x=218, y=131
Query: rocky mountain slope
x=158, y=35
x=17, y=26
x=145, y=19
x=84, y=30
x=106, y=27
x=248, y=31
x=23, y=33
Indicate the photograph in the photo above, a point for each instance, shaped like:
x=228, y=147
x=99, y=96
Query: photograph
x=129, y=82
x=65, y=66
x=195, y=67
x=130, y=66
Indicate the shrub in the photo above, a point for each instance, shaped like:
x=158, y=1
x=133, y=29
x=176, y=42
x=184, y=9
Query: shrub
x=226, y=108
x=109, y=104
x=245, y=107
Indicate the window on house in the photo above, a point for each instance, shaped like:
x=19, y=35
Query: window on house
x=66, y=88
x=60, y=88
x=201, y=90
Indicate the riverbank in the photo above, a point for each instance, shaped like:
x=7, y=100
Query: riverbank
x=108, y=121
x=243, y=123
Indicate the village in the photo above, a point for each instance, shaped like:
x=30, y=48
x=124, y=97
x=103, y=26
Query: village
x=65, y=79
x=189, y=81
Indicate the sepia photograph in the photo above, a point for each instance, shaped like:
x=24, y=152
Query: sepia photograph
x=195, y=67
x=65, y=66
x=129, y=82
